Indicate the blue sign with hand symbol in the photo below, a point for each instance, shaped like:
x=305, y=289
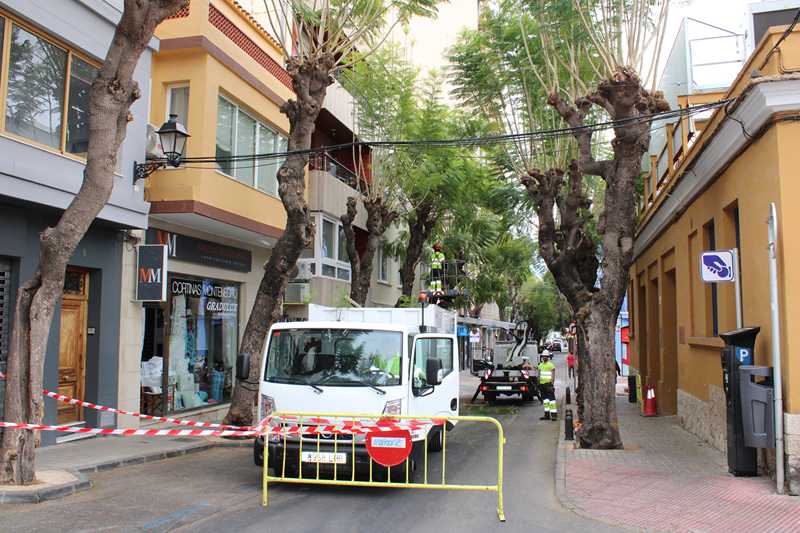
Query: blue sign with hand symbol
x=717, y=266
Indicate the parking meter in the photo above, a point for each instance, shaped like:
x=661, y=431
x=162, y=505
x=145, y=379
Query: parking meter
x=738, y=351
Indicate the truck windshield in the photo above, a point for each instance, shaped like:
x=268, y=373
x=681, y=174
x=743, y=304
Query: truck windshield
x=335, y=357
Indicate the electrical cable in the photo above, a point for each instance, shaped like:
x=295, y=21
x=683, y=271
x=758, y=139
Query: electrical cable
x=783, y=37
x=540, y=135
x=270, y=162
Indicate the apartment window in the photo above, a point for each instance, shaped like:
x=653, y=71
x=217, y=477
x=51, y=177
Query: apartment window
x=383, y=265
x=81, y=76
x=240, y=134
x=333, y=251
x=178, y=103
x=47, y=90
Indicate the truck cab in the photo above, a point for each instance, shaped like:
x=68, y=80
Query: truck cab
x=375, y=362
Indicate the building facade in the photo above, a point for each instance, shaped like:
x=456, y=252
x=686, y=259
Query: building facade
x=51, y=51
x=222, y=74
x=709, y=188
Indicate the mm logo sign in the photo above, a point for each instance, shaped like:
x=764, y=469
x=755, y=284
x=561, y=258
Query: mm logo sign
x=151, y=273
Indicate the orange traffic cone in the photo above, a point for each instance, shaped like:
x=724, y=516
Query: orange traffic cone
x=650, y=408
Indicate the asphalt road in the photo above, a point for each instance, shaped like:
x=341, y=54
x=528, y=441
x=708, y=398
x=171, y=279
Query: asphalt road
x=219, y=490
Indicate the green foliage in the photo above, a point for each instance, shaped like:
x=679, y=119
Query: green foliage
x=408, y=302
x=474, y=210
x=543, y=306
x=507, y=68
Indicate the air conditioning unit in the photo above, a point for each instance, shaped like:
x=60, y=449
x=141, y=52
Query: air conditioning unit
x=153, y=149
x=297, y=293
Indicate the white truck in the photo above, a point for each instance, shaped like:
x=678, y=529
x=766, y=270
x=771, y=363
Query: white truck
x=381, y=361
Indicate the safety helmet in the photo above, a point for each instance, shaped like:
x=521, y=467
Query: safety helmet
x=437, y=246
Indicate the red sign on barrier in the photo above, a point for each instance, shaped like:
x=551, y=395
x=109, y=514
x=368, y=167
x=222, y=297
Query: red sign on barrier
x=389, y=448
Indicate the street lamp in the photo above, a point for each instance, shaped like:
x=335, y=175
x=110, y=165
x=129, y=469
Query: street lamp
x=172, y=135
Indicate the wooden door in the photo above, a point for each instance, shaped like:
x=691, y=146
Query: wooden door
x=72, y=344
x=668, y=393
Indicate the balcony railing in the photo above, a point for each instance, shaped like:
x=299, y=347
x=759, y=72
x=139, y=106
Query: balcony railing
x=680, y=136
x=328, y=163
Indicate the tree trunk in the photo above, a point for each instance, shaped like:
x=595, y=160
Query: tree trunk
x=598, y=378
x=112, y=94
x=420, y=229
x=310, y=80
x=569, y=252
x=379, y=218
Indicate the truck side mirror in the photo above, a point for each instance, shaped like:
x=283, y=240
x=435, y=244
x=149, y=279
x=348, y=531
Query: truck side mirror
x=432, y=371
x=242, y=366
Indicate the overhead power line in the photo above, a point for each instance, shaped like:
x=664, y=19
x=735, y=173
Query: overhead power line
x=540, y=135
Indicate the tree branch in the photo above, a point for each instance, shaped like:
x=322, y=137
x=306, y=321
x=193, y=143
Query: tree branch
x=573, y=116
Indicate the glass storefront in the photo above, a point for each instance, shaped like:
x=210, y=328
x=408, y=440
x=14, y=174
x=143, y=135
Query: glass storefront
x=195, y=336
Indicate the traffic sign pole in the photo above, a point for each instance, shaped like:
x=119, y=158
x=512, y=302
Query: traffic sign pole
x=737, y=288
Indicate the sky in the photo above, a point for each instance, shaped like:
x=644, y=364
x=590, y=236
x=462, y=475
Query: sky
x=427, y=40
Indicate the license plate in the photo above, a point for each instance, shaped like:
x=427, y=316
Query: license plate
x=504, y=387
x=324, y=458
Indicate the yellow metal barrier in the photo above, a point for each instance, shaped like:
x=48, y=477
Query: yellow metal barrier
x=305, y=419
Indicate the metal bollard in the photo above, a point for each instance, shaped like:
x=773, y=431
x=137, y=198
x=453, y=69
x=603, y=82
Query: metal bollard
x=569, y=430
x=569, y=397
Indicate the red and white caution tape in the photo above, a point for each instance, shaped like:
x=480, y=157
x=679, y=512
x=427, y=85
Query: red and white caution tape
x=276, y=425
x=135, y=432
x=193, y=423
x=181, y=422
x=342, y=429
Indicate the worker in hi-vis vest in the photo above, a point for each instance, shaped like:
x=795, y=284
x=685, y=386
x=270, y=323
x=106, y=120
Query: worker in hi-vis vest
x=437, y=264
x=547, y=376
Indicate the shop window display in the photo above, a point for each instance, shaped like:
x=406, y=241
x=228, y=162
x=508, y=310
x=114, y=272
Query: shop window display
x=202, y=338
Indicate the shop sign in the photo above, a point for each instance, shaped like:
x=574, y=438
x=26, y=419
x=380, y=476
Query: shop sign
x=219, y=299
x=389, y=448
x=151, y=273
x=202, y=252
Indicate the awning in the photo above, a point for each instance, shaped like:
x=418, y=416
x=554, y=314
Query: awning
x=486, y=323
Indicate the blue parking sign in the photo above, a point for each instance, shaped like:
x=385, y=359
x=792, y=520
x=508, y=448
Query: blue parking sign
x=717, y=266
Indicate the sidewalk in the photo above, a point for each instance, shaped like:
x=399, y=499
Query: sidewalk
x=62, y=469
x=102, y=453
x=666, y=479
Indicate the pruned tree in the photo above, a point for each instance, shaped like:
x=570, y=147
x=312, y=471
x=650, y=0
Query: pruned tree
x=327, y=34
x=379, y=218
x=383, y=91
x=112, y=94
x=582, y=59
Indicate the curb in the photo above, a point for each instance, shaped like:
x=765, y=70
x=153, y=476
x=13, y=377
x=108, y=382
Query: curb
x=35, y=495
x=561, y=463
x=82, y=482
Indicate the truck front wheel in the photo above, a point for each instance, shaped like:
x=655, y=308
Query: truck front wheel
x=436, y=440
x=258, y=453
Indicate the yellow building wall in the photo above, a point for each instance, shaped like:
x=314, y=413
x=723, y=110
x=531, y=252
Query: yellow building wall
x=751, y=182
x=789, y=259
x=207, y=79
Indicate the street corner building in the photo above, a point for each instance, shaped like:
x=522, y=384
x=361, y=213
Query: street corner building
x=711, y=182
x=170, y=352
x=51, y=51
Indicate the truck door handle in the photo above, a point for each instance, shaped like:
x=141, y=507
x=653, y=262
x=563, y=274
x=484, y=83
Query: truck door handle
x=454, y=404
